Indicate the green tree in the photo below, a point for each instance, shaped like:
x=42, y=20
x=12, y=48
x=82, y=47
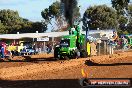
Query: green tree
x=2, y=28
x=52, y=12
x=11, y=22
x=123, y=8
x=101, y=16
x=120, y=5
x=125, y=21
x=121, y=22
x=129, y=26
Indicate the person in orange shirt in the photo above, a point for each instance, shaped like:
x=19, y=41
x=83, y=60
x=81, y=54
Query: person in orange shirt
x=115, y=36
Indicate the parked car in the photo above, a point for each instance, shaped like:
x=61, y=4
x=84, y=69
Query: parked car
x=28, y=51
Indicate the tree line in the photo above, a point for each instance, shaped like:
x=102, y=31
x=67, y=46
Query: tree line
x=98, y=16
x=116, y=17
x=11, y=22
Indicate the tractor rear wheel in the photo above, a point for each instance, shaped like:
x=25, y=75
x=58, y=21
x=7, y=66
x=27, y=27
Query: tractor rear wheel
x=83, y=54
x=73, y=55
x=56, y=52
x=57, y=58
x=66, y=57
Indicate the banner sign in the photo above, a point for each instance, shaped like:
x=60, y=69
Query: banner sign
x=43, y=39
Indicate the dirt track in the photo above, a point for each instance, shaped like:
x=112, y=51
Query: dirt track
x=48, y=73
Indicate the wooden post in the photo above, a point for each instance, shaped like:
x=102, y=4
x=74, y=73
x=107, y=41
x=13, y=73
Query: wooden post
x=52, y=44
x=99, y=49
x=112, y=49
x=105, y=47
x=44, y=47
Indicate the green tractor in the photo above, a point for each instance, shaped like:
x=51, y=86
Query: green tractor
x=72, y=45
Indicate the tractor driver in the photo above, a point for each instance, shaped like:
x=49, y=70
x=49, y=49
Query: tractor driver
x=115, y=36
x=73, y=30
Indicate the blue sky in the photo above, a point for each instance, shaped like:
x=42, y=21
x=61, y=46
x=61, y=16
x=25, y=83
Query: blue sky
x=31, y=9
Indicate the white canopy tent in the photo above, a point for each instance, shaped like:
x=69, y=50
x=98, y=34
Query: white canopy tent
x=32, y=35
x=92, y=33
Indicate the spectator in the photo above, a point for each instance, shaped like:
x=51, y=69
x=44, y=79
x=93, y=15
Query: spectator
x=34, y=48
x=125, y=43
x=49, y=48
x=9, y=50
x=115, y=38
x=2, y=52
x=24, y=49
x=112, y=43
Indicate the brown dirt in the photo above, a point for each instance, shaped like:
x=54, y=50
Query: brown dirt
x=48, y=73
x=19, y=61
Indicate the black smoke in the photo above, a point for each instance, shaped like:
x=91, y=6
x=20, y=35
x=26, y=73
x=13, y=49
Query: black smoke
x=69, y=6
